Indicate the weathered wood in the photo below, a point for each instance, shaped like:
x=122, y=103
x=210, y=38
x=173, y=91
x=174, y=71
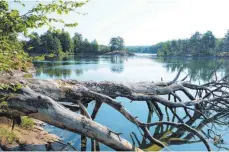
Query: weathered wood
x=98, y=104
x=40, y=99
x=41, y=107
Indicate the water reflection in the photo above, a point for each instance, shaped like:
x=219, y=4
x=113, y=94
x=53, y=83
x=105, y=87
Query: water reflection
x=198, y=68
x=215, y=131
x=141, y=68
x=64, y=67
x=117, y=63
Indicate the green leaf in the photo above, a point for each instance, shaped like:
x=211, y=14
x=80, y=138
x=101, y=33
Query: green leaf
x=59, y=11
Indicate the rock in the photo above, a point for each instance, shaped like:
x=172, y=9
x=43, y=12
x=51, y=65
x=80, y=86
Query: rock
x=53, y=138
x=38, y=122
x=28, y=140
x=121, y=53
x=43, y=132
x=38, y=128
x=3, y=141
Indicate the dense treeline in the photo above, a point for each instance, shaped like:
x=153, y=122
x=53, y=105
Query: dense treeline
x=59, y=42
x=198, y=44
x=144, y=49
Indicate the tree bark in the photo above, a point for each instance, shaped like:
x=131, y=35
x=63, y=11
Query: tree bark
x=40, y=99
x=41, y=107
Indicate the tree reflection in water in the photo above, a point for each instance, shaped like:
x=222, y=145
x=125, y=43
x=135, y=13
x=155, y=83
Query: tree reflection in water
x=60, y=67
x=198, y=68
x=117, y=63
x=170, y=135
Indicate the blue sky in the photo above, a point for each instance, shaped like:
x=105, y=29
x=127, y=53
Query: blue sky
x=147, y=22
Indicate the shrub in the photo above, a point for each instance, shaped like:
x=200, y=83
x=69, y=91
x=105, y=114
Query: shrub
x=27, y=122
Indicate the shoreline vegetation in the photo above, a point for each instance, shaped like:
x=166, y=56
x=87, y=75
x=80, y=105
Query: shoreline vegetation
x=221, y=55
x=60, y=43
x=38, y=56
x=198, y=44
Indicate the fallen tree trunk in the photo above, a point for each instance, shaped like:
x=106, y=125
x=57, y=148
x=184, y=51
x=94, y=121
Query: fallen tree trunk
x=44, y=108
x=40, y=99
x=41, y=107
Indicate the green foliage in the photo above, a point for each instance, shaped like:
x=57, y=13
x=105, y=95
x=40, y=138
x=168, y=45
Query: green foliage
x=117, y=43
x=95, y=46
x=27, y=122
x=11, y=86
x=3, y=105
x=198, y=44
x=60, y=43
x=28, y=76
x=144, y=49
x=9, y=135
x=209, y=41
x=77, y=42
x=13, y=23
x=16, y=87
x=12, y=55
x=226, y=42
x=84, y=46
x=103, y=48
x=81, y=45
x=65, y=41
x=39, y=58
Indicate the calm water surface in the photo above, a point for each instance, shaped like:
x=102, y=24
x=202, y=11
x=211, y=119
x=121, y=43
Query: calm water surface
x=142, y=67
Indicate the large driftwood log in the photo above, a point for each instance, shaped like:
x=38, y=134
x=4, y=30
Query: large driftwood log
x=42, y=107
x=41, y=99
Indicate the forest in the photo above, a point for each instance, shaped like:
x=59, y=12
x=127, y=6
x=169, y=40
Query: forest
x=60, y=42
x=197, y=45
x=144, y=49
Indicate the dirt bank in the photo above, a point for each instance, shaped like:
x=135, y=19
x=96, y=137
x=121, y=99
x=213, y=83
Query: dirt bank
x=21, y=137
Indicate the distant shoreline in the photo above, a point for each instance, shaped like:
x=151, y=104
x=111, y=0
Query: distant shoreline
x=121, y=53
x=216, y=56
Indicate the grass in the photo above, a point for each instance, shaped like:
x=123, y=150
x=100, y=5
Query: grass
x=28, y=75
x=9, y=135
x=27, y=122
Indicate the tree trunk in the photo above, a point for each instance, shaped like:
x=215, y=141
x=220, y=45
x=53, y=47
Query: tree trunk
x=40, y=99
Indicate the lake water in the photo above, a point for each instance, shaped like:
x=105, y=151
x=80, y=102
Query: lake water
x=142, y=67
